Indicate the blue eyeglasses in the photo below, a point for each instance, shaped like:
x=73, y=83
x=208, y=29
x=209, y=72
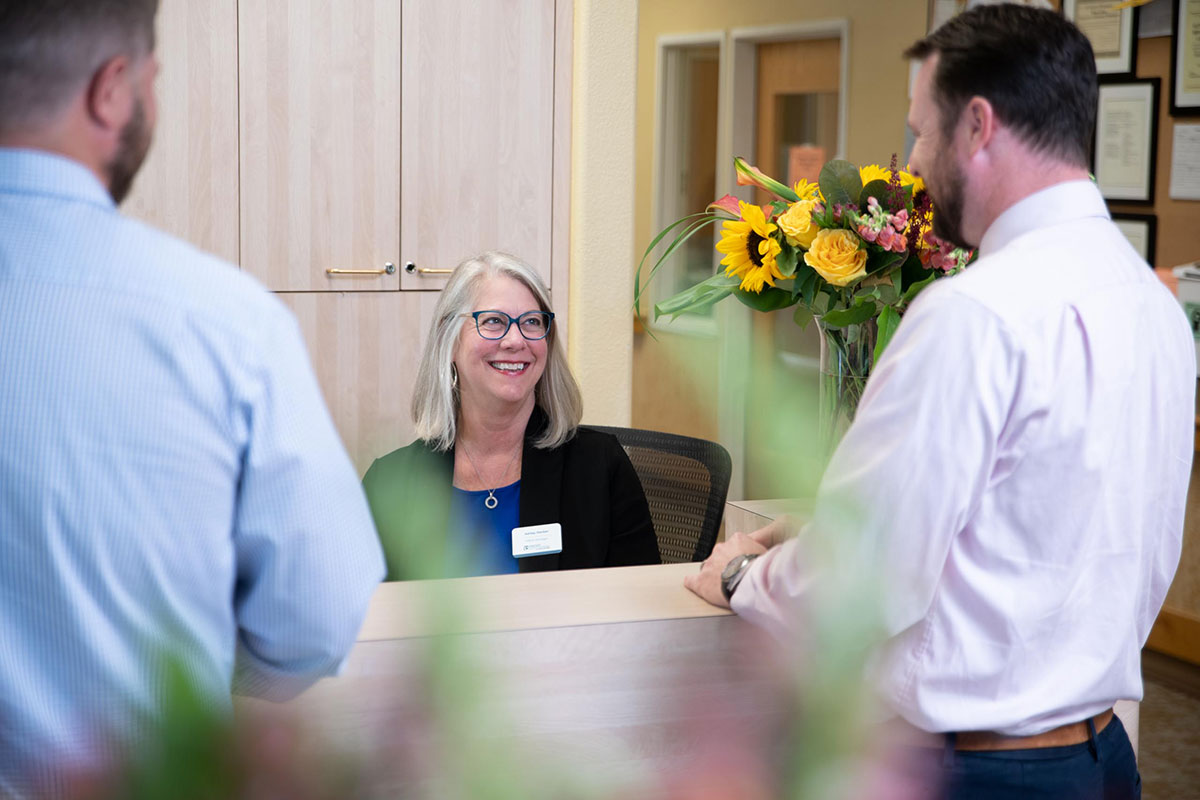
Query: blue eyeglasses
x=533, y=325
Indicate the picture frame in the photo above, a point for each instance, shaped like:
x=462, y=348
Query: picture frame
x=1112, y=32
x=1124, y=152
x=1142, y=232
x=1185, y=58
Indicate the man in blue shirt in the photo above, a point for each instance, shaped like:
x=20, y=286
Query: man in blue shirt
x=172, y=488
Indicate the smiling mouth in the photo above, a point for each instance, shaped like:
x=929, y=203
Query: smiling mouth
x=509, y=367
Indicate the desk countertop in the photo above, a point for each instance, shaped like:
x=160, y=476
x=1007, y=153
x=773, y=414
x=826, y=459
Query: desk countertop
x=533, y=600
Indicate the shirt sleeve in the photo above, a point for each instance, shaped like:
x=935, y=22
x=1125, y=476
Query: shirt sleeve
x=910, y=471
x=308, y=558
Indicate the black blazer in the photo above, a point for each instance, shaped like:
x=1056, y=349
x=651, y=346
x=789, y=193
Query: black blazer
x=587, y=485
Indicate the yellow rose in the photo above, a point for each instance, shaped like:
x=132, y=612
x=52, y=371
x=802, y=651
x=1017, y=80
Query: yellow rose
x=797, y=225
x=836, y=257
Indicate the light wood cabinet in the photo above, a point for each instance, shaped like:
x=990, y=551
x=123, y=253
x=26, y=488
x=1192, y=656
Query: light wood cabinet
x=365, y=348
x=297, y=136
x=478, y=134
x=189, y=183
x=320, y=141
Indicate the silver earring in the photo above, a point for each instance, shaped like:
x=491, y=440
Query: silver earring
x=453, y=377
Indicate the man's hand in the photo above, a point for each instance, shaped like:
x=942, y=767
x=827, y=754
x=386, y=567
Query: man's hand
x=707, y=583
x=777, y=532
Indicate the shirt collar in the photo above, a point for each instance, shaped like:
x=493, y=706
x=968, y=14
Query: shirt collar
x=40, y=172
x=1062, y=202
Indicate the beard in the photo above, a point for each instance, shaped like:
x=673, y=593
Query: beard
x=948, y=202
x=132, y=146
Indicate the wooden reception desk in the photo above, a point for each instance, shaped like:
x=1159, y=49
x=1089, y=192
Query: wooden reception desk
x=620, y=677
x=614, y=675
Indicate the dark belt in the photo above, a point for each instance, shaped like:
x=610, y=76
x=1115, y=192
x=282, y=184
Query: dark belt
x=1062, y=736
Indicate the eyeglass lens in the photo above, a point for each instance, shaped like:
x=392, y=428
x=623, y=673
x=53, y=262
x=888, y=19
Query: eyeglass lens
x=495, y=324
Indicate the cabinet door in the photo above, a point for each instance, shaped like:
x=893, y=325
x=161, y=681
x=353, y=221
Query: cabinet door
x=189, y=183
x=478, y=134
x=365, y=348
x=320, y=132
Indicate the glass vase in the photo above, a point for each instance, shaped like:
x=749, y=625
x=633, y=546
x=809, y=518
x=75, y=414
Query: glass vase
x=847, y=356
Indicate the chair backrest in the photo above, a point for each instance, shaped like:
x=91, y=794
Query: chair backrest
x=685, y=481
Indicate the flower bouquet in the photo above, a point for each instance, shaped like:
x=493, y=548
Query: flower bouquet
x=850, y=251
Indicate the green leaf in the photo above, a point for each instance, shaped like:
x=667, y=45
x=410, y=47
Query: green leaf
x=821, y=303
x=888, y=295
x=696, y=221
x=889, y=320
x=699, y=297
x=849, y=316
x=877, y=189
x=787, y=259
x=916, y=288
x=778, y=207
x=864, y=293
x=913, y=271
x=807, y=282
x=803, y=316
x=769, y=299
x=880, y=261
x=840, y=183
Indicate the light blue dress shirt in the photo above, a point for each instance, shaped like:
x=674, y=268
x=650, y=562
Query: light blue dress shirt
x=170, y=481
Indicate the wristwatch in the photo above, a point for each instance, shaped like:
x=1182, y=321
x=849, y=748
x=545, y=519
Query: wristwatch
x=733, y=573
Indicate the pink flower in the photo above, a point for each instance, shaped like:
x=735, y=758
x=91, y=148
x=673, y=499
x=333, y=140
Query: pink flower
x=866, y=233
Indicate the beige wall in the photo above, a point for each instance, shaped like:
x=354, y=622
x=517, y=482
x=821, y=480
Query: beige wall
x=877, y=93
x=600, y=338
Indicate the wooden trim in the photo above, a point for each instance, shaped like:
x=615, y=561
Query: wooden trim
x=1176, y=633
x=560, y=231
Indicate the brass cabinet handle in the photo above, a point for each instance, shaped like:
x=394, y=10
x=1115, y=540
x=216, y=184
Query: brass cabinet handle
x=410, y=268
x=388, y=269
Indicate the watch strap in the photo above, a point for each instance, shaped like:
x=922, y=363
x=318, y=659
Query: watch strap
x=729, y=585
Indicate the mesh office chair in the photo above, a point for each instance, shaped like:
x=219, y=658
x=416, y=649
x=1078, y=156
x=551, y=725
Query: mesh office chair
x=685, y=481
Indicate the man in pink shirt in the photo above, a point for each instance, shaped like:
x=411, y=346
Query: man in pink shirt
x=1018, y=467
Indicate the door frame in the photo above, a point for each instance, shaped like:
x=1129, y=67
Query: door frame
x=738, y=103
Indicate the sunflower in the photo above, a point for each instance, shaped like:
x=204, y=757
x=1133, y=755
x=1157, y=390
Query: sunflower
x=807, y=191
x=874, y=172
x=908, y=179
x=750, y=249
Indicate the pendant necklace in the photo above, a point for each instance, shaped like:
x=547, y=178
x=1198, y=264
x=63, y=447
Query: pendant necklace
x=490, y=501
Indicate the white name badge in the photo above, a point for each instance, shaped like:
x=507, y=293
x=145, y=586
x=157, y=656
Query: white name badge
x=537, y=540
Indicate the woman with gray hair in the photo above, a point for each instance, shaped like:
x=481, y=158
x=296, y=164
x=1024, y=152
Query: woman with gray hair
x=501, y=473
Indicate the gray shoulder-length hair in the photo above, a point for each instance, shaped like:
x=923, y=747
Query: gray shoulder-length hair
x=435, y=398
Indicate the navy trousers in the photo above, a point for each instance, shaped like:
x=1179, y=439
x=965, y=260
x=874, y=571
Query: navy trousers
x=1102, y=768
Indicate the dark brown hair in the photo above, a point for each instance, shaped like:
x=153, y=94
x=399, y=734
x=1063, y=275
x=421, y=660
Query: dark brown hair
x=1034, y=67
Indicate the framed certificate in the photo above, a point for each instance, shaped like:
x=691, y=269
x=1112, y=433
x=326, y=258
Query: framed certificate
x=1111, y=30
x=1142, y=232
x=1185, y=58
x=1126, y=133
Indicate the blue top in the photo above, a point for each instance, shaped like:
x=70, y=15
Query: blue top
x=170, y=479
x=484, y=543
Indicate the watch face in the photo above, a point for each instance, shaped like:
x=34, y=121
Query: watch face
x=733, y=566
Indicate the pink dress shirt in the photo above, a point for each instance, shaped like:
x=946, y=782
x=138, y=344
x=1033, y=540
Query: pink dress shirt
x=1017, y=472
